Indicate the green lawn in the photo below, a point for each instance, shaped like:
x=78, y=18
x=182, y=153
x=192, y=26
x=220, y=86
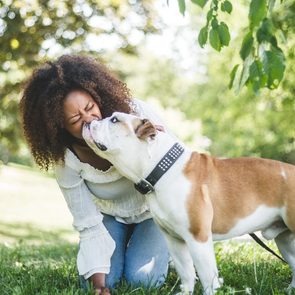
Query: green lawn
x=38, y=247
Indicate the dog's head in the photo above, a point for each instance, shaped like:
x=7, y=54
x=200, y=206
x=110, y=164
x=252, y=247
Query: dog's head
x=119, y=134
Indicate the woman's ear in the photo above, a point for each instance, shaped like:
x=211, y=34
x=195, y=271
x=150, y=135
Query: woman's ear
x=146, y=130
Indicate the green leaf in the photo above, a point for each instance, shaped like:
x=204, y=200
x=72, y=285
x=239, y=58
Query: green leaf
x=226, y=6
x=257, y=77
x=273, y=41
x=242, y=75
x=271, y=4
x=247, y=45
x=214, y=39
x=214, y=23
x=245, y=72
x=224, y=35
x=209, y=15
x=203, y=36
x=232, y=76
x=274, y=67
x=265, y=31
x=257, y=12
x=181, y=6
x=201, y=3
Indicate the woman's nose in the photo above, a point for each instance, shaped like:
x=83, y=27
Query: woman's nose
x=87, y=118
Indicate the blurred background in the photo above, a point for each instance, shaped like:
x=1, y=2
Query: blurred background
x=154, y=49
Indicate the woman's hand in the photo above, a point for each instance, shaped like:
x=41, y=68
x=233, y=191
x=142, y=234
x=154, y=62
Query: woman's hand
x=102, y=291
x=98, y=283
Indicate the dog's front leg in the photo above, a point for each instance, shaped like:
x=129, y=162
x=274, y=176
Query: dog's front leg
x=205, y=263
x=183, y=263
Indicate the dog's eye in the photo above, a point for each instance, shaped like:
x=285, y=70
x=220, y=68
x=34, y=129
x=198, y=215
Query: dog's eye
x=114, y=120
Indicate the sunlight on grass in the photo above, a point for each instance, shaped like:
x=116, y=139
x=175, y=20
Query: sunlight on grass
x=31, y=203
x=51, y=269
x=38, y=247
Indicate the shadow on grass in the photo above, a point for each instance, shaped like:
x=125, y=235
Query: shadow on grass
x=49, y=267
x=37, y=261
x=18, y=232
x=39, y=269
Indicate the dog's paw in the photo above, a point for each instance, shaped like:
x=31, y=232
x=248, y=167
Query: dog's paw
x=184, y=291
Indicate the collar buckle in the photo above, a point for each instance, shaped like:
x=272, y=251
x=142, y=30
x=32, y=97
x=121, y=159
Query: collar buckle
x=144, y=187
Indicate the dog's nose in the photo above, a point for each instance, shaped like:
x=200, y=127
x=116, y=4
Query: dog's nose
x=87, y=125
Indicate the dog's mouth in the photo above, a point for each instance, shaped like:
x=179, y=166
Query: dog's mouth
x=89, y=138
x=101, y=146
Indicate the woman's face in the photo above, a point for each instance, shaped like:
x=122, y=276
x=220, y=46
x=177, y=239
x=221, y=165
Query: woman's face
x=79, y=108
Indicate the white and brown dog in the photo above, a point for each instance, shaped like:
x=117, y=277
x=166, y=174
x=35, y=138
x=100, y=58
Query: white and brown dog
x=201, y=199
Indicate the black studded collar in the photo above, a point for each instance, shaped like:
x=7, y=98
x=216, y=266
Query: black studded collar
x=146, y=186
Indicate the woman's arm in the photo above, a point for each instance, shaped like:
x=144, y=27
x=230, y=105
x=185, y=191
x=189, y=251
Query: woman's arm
x=96, y=245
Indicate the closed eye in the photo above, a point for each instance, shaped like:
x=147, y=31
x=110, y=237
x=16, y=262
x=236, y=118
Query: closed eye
x=76, y=121
x=114, y=120
x=89, y=107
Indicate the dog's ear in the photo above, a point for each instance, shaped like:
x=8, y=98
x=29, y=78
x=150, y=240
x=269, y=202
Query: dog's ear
x=146, y=130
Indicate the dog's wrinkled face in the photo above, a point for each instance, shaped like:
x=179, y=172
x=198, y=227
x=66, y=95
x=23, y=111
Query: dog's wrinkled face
x=119, y=132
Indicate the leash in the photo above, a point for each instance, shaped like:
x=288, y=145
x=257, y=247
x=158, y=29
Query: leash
x=263, y=245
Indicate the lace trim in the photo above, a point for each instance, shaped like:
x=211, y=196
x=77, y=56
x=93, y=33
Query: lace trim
x=111, y=208
x=89, y=172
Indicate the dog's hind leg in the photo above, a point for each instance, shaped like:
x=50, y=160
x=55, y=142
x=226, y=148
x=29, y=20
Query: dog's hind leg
x=183, y=263
x=274, y=230
x=286, y=244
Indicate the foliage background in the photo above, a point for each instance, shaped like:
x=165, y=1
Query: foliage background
x=154, y=49
x=161, y=62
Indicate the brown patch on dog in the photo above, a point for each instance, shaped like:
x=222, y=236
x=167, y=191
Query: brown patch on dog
x=236, y=187
x=202, y=215
x=145, y=129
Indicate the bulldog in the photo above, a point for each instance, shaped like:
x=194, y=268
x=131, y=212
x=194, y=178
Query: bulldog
x=197, y=199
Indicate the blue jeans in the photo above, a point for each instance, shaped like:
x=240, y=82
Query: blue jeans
x=141, y=255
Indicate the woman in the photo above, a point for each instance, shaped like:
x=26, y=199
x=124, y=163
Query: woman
x=117, y=235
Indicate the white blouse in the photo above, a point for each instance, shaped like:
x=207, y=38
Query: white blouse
x=89, y=192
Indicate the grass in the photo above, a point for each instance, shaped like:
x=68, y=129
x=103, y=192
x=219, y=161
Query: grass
x=38, y=252
x=50, y=268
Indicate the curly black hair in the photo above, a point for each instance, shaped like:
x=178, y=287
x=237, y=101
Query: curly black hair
x=42, y=100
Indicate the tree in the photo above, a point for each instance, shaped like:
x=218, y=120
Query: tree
x=248, y=124
x=263, y=61
x=34, y=31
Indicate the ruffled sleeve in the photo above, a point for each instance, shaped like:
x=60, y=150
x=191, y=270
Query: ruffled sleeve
x=96, y=244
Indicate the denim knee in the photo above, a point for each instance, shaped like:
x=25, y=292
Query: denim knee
x=112, y=280
x=149, y=275
x=84, y=284
x=146, y=261
x=138, y=279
